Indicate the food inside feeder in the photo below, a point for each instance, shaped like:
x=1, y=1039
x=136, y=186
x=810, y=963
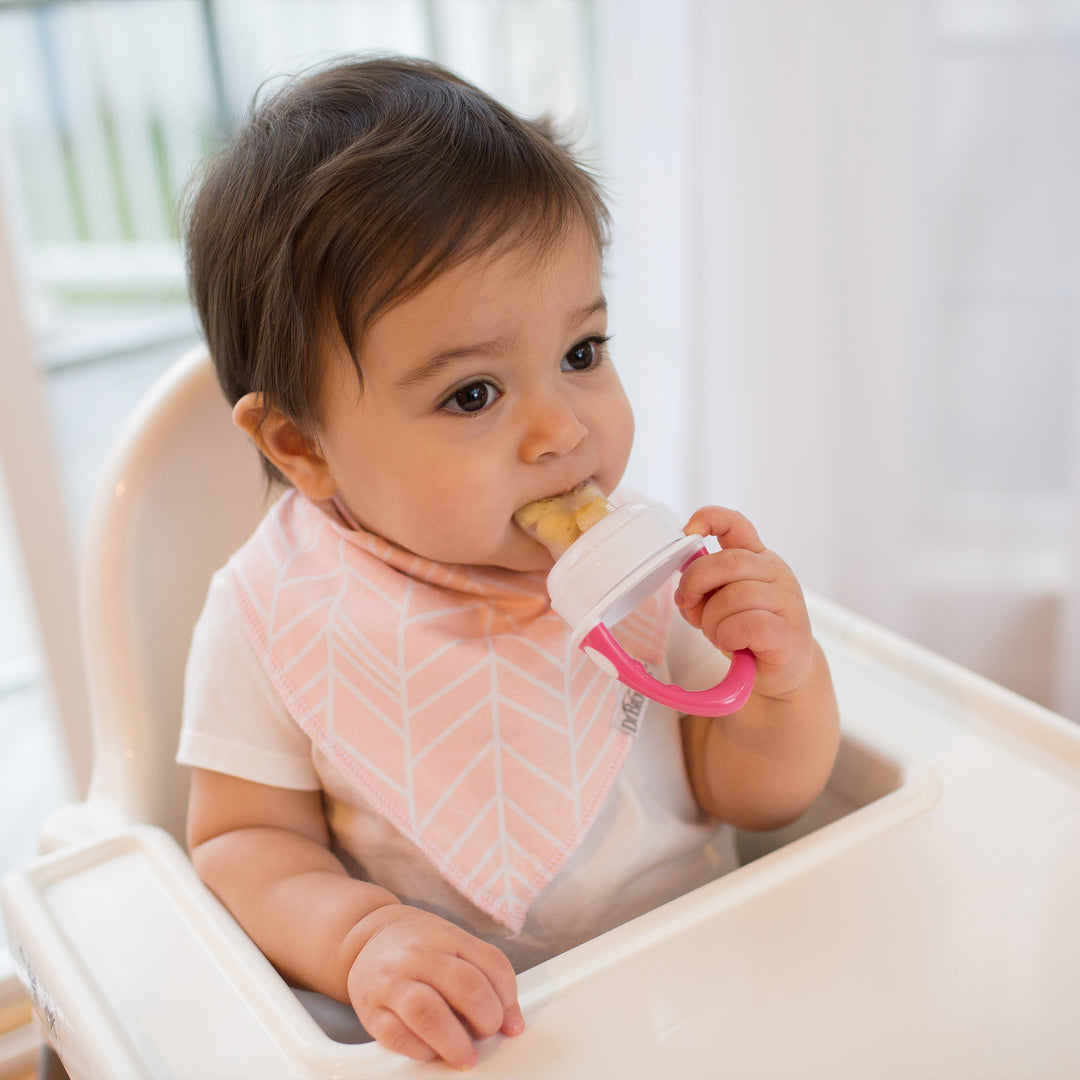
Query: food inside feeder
x=560, y=519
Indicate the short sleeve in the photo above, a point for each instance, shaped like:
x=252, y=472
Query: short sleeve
x=234, y=721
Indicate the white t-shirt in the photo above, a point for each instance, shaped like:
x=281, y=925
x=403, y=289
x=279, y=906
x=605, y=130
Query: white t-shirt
x=648, y=844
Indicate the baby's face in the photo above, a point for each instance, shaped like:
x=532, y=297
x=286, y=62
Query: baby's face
x=489, y=388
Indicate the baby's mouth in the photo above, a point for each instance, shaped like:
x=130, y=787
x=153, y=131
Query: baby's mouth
x=557, y=521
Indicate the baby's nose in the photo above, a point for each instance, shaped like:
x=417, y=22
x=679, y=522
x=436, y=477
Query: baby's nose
x=553, y=428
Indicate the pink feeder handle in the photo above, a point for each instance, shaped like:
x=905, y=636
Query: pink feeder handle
x=728, y=696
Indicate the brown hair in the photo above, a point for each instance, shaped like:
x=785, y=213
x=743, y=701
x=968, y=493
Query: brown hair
x=349, y=190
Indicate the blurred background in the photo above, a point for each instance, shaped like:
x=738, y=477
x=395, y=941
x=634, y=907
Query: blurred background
x=844, y=286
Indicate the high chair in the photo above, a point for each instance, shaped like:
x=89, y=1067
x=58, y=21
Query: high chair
x=919, y=920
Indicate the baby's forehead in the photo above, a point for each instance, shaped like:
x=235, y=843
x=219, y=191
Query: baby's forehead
x=490, y=263
x=559, y=275
x=454, y=299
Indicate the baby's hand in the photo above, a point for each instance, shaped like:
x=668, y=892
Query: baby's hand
x=745, y=597
x=426, y=988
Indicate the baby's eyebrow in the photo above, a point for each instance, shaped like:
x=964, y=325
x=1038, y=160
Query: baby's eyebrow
x=588, y=312
x=435, y=365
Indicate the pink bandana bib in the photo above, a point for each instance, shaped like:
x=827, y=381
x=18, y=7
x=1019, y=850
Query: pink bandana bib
x=450, y=696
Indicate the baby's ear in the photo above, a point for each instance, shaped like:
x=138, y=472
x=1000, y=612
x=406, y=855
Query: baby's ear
x=284, y=445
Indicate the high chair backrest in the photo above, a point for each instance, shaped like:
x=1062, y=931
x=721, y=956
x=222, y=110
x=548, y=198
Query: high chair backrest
x=182, y=490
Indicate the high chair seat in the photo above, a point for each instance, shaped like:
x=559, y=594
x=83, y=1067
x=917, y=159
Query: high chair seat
x=182, y=489
x=919, y=920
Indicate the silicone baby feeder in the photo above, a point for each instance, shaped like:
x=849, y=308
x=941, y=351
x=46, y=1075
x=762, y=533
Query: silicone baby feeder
x=620, y=560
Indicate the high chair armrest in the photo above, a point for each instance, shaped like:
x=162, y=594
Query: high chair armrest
x=119, y=937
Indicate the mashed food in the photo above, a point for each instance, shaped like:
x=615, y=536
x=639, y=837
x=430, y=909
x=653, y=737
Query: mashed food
x=559, y=520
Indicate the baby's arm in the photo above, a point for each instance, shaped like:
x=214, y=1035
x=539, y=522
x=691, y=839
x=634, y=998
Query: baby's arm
x=419, y=984
x=762, y=766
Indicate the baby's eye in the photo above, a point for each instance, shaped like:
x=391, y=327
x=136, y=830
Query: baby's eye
x=472, y=398
x=584, y=355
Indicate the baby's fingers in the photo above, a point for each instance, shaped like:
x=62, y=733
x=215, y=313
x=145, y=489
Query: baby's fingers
x=417, y=1021
x=705, y=575
x=390, y=1031
x=729, y=527
x=472, y=996
x=493, y=965
x=456, y=1004
x=426, y=988
x=764, y=633
x=742, y=598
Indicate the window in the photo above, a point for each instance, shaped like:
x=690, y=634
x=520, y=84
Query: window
x=105, y=106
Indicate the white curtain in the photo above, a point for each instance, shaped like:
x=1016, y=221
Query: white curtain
x=846, y=289
x=770, y=224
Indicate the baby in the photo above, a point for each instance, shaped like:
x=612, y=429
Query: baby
x=407, y=785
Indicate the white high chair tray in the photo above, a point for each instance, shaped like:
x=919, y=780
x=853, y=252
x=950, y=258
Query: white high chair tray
x=933, y=931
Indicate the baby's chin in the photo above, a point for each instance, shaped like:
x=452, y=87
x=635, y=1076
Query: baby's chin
x=522, y=554
x=529, y=563
x=517, y=552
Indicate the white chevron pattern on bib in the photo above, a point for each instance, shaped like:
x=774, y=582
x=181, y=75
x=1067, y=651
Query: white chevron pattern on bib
x=450, y=696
